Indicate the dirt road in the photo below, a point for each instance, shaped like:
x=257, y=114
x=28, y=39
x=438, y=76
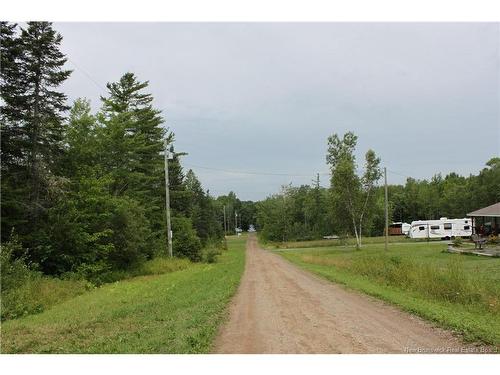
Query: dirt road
x=280, y=308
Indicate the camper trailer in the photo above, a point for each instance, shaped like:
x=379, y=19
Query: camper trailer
x=443, y=228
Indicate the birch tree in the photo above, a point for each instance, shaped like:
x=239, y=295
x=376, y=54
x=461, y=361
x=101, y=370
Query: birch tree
x=352, y=194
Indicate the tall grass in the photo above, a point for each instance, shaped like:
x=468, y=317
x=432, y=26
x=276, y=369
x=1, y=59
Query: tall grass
x=450, y=282
x=28, y=292
x=38, y=293
x=337, y=242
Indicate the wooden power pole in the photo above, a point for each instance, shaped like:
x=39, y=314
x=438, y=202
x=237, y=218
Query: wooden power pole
x=225, y=225
x=168, y=156
x=386, y=210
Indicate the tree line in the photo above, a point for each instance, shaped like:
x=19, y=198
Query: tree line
x=83, y=191
x=353, y=204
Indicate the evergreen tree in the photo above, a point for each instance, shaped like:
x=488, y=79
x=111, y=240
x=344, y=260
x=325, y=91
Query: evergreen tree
x=132, y=146
x=203, y=212
x=13, y=168
x=33, y=114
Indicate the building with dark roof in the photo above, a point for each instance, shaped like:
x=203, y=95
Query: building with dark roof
x=486, y=220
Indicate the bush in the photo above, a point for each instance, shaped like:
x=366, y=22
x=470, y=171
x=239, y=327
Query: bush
x=91, y=232
x=185, y=242
x=210, y=254
x=494, y=240
x=25, y=291
x=161, y=265
x=14, y=271
x=39, y=293
x=131, y=235
x=457, y=241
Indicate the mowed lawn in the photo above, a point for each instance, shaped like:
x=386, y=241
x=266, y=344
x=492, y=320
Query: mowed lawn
x=178, y=312
x=458, y=292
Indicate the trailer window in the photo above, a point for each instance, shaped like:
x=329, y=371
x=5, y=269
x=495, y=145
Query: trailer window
x=447, y=226
x=466, y=227
x=421, y=228
x=434, y=226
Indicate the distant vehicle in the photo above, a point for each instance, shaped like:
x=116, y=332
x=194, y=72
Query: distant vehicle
x=251, y=228
x=238, y=230
x=443, y=228
x=399, y=229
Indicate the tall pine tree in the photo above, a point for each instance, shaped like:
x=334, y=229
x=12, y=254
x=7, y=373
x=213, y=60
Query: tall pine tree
x=33, y=117
x=133, y=144
x=12, y=137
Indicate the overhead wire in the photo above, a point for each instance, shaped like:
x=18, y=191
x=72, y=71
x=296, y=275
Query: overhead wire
x=253, y=172
x=86, y=74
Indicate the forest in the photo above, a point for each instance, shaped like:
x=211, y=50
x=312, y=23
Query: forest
x=83, y=191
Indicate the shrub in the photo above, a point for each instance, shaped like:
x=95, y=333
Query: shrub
x=25, y=291
x=457, y=241
x=494, y=240
x=185, y=242
x=131, y=235
x=161, y=265
x=39, y=293
x=91, y=232
x=210, y=254
x=14, y=271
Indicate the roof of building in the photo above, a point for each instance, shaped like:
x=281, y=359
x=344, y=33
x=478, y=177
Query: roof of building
x=493, y=210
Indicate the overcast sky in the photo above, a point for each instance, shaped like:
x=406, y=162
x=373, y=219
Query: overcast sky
x=264, y=97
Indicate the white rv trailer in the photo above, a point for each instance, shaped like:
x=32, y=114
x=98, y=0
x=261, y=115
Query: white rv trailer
x=443, y=228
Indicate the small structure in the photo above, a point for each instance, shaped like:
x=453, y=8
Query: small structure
x=399, y=229
x=486, y=221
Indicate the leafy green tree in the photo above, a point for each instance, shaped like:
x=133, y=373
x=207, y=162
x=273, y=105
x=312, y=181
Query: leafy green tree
x=352, y=194
x=274, y=215
x=81, y=157
x=185, y=242
x=248, y=214
x=233, y=205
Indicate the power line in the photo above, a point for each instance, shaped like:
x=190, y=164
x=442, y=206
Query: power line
x=98, y=85
x=253, y=172
x=398, y=173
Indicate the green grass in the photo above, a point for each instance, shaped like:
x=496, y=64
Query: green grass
x=177, y=312
x=271, y=245
x=36, y=293
x=459, y=292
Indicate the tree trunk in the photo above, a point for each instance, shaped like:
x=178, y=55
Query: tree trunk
x=360, y=225
x=358, y=244
x=34, y=167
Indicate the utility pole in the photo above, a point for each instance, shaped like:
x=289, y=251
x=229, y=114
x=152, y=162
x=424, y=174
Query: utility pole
x=386, y=210
x=235, y=221
x=168, y=156
x=225, y=226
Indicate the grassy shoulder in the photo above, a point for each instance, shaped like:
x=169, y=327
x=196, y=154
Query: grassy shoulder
x=457, y=292
x=32, y=292
x=177, y=312
x=272, y=245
